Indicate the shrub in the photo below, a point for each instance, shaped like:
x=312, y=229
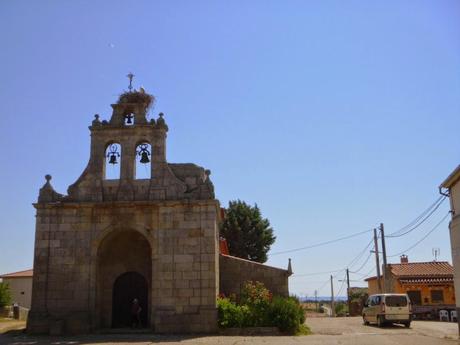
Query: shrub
x=5, y=294
x=231, y=314
x=257, y=297
x=257, y=308
x=287, y=314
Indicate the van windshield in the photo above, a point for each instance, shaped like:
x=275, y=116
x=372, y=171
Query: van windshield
x=396, y=301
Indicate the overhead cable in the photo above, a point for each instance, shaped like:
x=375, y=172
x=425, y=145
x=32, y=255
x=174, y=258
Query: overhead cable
x=423, y=238
x=417, y=223
x=322, y=243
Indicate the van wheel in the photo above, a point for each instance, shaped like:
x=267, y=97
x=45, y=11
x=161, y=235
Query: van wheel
x=380, y=322
x=365, y=322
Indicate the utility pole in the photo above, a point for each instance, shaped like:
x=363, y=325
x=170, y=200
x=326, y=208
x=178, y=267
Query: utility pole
x=332, y=297
x=384, y=253
x=316, y=300
x=348, y=291
x=377, y=262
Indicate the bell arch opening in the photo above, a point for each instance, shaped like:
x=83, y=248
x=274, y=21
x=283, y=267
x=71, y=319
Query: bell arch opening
x=124, y=273
x=112, y=161
x=143, y=166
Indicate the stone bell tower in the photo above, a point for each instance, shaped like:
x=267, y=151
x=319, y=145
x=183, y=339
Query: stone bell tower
x=112, y=240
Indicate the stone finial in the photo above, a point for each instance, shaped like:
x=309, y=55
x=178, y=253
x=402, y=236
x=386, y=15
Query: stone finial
x=96, y=121
x=161, y=121
x=289, y=269
x=47, y=192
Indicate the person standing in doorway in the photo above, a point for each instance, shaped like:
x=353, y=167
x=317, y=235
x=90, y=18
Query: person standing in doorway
x=136, y=314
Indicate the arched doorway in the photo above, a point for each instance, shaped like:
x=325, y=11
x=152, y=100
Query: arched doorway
x=127, y=287
x=124, y=272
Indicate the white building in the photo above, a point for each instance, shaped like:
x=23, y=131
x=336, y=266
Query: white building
x=451, y=187
x=20, y=284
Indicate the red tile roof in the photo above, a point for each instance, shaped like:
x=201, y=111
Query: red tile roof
x=422, y=269
x=432, y=271
x=20, y=274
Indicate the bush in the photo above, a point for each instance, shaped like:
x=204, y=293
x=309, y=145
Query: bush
x=257, y=297
x=287, y=314
x=341, y=309
x=257, y=308
x=231, y=314
x=5, y=294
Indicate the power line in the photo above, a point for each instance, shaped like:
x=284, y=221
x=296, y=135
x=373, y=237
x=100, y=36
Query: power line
x=356, y=259
x=341, y=287
x=316, y=273
x=430, y=211
x=352, y=262
x=364, y=264
x=419, y=216
x=423, y=238
x=322, y=243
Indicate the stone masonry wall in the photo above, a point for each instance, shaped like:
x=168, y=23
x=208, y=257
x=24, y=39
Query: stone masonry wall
x=234, y=272
x=182, y=237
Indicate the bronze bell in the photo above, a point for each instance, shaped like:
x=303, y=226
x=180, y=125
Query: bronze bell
x=113, y=159
x=129, y=119
x=144, y=157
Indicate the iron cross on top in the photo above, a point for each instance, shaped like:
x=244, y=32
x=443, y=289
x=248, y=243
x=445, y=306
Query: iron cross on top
x=130, y=77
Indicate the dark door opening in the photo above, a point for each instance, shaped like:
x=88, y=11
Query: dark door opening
x=127, y=287
x=415, y=297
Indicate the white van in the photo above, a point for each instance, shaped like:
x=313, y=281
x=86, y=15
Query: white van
x=387, y=308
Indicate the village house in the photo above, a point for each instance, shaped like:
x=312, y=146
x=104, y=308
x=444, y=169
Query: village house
x=428, y=284
x=20, y=285
x=134, y=226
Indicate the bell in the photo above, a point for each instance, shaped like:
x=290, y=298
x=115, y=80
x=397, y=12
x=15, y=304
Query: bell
x=113, y=159
x=144, y=157
x=129, y=119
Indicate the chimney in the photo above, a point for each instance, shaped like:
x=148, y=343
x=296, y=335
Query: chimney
x=404, y=259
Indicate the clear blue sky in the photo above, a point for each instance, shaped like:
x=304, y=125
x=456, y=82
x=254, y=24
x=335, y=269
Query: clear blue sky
x=332, y=117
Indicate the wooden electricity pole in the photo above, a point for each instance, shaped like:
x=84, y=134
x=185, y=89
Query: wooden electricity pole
x=348, y=291
x=384, y=254
x=316, y=300
x=377, y=262
x=332, y=297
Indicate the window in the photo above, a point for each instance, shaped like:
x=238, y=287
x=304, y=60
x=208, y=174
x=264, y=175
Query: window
x=143, y=166
x=415, y=297
x=112, y=161
x=396, y=301
x=437, y=296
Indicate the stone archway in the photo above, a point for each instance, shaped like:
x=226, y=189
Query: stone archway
x=124, y=267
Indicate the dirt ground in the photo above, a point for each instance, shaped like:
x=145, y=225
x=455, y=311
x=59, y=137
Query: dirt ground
x=343, y=331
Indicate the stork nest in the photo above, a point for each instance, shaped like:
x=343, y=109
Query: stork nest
x=136, y=97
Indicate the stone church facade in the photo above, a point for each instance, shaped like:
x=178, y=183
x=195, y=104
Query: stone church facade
x=110, y=240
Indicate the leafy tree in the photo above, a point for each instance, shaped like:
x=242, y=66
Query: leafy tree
x=5, y=294
x=248, y=234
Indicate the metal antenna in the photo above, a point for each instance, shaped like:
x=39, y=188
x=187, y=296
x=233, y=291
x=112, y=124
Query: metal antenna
x=130, y=77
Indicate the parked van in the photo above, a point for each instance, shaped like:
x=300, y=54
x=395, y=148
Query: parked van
x=387, y=308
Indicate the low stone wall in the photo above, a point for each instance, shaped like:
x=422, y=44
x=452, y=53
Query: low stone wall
x=234, y=272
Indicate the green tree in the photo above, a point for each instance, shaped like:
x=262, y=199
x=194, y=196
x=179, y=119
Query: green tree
x=5, y=294
x=248, y=234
